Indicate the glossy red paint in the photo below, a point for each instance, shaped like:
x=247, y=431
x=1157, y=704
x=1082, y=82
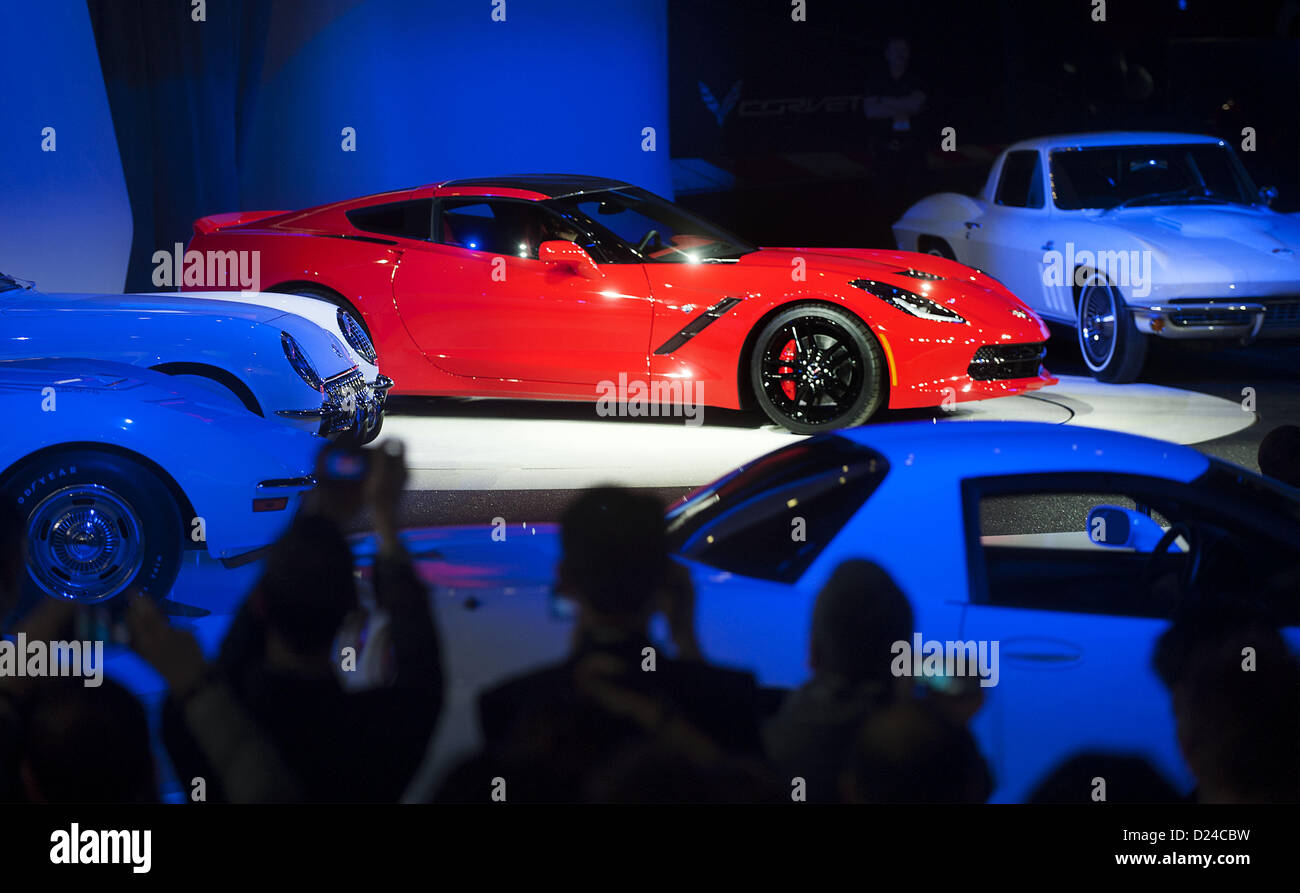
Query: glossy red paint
x=447, y=320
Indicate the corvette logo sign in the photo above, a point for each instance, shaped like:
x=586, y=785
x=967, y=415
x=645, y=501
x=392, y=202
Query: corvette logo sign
x=720, y=109
x=767, y=108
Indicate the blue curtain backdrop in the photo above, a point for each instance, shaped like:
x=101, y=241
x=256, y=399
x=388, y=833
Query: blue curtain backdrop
x=247, y=109
x=65, y=220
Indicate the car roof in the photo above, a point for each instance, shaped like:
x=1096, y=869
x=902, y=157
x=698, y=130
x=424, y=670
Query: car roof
x=545, y=185
x=1112, y=138
x=981, y=449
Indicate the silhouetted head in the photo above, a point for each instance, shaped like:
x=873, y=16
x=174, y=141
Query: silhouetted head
x=910, y=753
x=88, y=745
x=898, y=52
x=860, y=613
x=1235, y=688
x=1279, y=454
x=1127, y=779
x=307, y=588
x=653, y=771
x=613, y=552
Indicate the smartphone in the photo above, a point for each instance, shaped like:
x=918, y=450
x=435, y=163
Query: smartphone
x=562, y=607
x=347, y=464
x=102, y=623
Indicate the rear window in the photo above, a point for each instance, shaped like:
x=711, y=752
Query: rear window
x=409, y=220
x=772, y=518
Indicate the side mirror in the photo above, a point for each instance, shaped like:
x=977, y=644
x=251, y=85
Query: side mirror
x=570, y=256
x=1267, y=194
x=1117, y=527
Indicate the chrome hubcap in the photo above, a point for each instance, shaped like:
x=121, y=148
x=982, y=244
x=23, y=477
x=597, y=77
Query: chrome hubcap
x=84, y=543
x=1097, y=325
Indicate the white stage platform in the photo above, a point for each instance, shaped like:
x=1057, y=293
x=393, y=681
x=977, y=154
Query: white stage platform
x=514, y=445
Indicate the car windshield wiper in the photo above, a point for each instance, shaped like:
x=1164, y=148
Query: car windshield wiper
x=1210, y=195
x=13, y=283
x=1150, y=197
x=1187, y=193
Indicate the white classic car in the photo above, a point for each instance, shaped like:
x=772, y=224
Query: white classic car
x=114, y=469
x=1125, y=236
x=326, y=314
x=273, y=361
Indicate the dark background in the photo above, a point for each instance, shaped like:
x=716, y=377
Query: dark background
x=996, y=71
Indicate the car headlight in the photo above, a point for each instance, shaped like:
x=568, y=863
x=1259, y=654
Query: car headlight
x=909, y=302
x=356, y=336
x=299, y=361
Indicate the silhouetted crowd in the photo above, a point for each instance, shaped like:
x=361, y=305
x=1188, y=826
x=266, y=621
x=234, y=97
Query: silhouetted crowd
x=618, y=720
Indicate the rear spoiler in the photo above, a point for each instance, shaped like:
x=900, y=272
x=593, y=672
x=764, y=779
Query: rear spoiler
x=214, y=222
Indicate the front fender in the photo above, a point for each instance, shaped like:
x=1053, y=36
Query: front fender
x=215, y=455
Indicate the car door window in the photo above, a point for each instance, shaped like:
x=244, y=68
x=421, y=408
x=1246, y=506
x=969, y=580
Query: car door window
x=1021, y=183
x=1029, y=546
x=499, y=226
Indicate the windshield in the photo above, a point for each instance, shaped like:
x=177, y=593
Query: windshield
x=652, y=229
x=9, y=283
x=771, y=518
x=1125, y=176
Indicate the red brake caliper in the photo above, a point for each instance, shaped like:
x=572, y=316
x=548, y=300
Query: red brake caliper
x=787, y=356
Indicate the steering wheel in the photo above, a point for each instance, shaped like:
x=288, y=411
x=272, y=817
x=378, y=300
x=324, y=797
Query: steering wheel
x=1160, y=556
x=645, y=241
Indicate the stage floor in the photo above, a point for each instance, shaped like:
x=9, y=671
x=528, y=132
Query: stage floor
x=518, y=445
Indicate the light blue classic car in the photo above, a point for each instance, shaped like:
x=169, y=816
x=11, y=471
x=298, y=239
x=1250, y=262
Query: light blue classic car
x=275, y=364
x=114, y=470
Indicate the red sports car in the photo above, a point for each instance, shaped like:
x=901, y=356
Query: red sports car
x=555, y=287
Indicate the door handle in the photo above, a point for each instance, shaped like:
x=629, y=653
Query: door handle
x=1044, y=657
x=1041, y=651
x=971, y=224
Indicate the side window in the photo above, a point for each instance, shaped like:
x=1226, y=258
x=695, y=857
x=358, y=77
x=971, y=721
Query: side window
x=409, y=220
x=498, y=226
x=1021, y=184
x=1034, y=550
x=466, y=224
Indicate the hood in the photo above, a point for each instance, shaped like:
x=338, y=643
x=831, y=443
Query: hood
x=975, y=295
x=83, y=374
x=86, y=374
x=30, y=299
x=1249, y=243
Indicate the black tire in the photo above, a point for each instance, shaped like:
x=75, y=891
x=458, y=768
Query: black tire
x=1112, y=347
x=938, y=247
x=842, y=383
x=373, y=433
x=131, y=540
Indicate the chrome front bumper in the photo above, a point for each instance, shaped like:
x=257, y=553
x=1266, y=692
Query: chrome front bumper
x=351, y=405
x=1226, y=319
